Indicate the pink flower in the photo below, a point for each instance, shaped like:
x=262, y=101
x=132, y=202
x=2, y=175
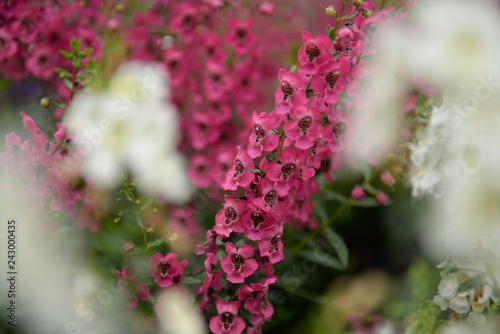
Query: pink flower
x=330, y=81
x=8, y=47
x=236, y=264
x=240, y=35
x=285, y=175
x=303, y=128
x=290, y=91
x=166, y=268
x=273, y=248
x=41, y=63
x=131, y=288
x=212, y=279
x=257, y=222
x=227, y=320
x=228, y=219
x=313, y=52
x=261, y=139
x=238, y=175
x=255, y=297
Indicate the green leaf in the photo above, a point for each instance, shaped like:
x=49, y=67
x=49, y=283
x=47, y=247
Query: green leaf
x=75, y=45
x=370, y=189
x=85, y=53
x=320, y=211
x=67, y=83
x=309, y=93
x=59, y=104
x=51, y=137
x=147, y=201
x=85, y=73
x=328, y=29
x=396, y=11
x=319, y=256
x=255, y=170
x=350, y=16
x=368, y=202
x=66, y=54
x=339, y=245
x=192, y=280
x=155, y=243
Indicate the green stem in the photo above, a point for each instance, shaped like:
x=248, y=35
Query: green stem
x=383, y=4
x=325, y=225
x=339, y=17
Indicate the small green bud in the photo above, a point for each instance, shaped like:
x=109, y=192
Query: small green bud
x=331, y=11
x=358, y=3
x=45, y=102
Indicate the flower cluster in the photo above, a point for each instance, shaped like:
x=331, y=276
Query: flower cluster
x=287, y=147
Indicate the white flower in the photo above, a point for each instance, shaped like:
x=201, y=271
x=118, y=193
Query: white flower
x=453, y=41
x=131, y=126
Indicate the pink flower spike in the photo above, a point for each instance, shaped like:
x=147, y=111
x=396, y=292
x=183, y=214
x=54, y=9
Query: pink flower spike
x=381, y=198
x=236, y=264
x=227, y=320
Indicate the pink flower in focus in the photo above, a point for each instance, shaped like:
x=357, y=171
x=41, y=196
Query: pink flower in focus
x=236, y=264
x=260, y=139
x=303, y=128
x=166, y=268
x=238, y=175
x=313, y=52
x=255, y=297
x=290, y=91
x=228, y=219
x=227, y=320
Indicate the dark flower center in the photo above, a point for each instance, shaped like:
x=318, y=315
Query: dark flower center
x=270, y=198
x=305, y=124
x=227, y=319
x=287, y=170
x=259, y=133
x=312, y=51
x=339, y=129
x=164, y=267
x=230, y=215
x=238, y=168
x=332, y=78
x=173, y=65
x=241, y=33
x=257, y=219
x=238, y=261
x=275, y=242
x=287, y=89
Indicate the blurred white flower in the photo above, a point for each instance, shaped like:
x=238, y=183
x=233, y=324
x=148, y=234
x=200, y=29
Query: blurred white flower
x=131, y=126
x=178, y=314
x=453, y=42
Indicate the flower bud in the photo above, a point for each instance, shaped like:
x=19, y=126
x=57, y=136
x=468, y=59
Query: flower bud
x=331, y=11
x=358, y=193
x=45, y=102
x=358, y=3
